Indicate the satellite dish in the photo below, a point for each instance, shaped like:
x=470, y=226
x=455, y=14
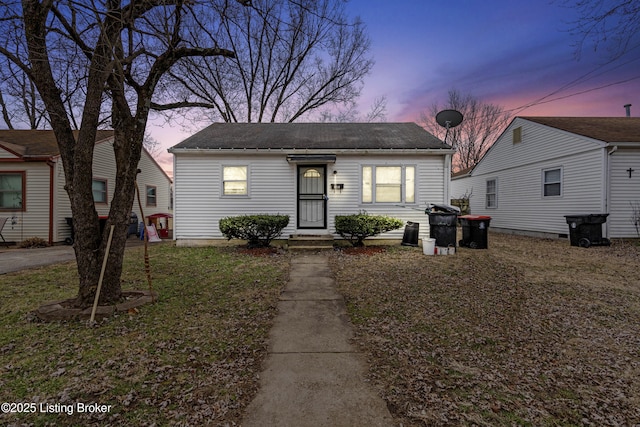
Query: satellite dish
x=448, y=119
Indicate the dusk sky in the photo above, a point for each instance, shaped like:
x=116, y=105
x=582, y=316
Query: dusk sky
x=507, y=52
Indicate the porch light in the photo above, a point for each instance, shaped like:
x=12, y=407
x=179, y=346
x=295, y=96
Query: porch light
x=335, y=186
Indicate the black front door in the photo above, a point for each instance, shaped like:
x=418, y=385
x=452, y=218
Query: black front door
x=312, y=196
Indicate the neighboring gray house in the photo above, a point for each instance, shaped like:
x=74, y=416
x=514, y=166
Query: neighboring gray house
x=309, y=171
x=32, y=194
x=543, y=168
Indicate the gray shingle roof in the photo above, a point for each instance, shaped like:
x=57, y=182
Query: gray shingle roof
x=331, y=136
x=38, y=143
x=607, y=129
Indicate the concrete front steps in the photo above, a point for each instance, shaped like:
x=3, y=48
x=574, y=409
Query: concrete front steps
x=310, y=241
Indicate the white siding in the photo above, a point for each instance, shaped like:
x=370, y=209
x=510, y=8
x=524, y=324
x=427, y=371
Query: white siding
x=518, y=170
x=624, y=191
x=34, y=220
x=4, y=154
x=272, y=189
x=104, y=167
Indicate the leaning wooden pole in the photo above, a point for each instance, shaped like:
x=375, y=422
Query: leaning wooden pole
x=104, y=265
x=147, y=266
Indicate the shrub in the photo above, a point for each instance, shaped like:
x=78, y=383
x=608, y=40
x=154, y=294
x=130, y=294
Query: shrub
x=358, y=227
x=33, y=242
x=258, y=230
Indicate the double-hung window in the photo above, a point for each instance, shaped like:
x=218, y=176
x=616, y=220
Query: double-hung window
x=388, y=184
x=552, y=182
x=492, y=194
x=99, y=188
x=235, y=181
x=12, y=191
x=151, y=195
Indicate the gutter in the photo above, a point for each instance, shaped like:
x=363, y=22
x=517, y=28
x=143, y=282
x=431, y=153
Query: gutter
x=606, y=185
x=369, y=151
x=51, y=165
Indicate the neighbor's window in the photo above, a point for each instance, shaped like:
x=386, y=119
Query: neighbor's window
x=388, y=184
x=12, y=191
x=234, y=181
x=517, y=135
x=99, y=188
x=151, y=195
x=552, y=182
x=492, y=193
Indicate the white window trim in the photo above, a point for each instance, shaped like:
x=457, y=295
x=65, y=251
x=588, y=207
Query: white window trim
x=403, y=180
x=561, y=182
x=486, y=204
x=235, y=196
x=106, y=190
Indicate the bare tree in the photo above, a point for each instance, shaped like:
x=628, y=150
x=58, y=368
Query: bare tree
x=613, y=24
x=292, y=58
x=481, y=125
x=113, y=49
x=377, y=113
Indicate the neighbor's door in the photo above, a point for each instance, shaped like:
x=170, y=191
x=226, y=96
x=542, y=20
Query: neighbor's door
x=312, y=197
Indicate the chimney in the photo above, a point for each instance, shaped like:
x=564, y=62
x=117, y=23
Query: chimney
x=628, y=108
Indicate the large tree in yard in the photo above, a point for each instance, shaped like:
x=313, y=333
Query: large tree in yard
x=483, y=122
x=120, y=51
x=293, y=58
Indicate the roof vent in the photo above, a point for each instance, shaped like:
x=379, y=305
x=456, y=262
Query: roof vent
x=628, y=108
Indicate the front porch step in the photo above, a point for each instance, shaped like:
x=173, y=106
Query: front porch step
x=310, y=241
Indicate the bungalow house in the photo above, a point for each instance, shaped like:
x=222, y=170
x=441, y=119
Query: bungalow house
x=309, y=171
x=543, y=168
x=32, y=194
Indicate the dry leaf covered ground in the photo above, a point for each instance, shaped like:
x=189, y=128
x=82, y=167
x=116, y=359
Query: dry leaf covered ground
x=529, y=332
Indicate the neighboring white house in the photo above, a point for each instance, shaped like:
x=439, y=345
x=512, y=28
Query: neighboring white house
x=543, y=168
x=32, y=194
x=309, y=171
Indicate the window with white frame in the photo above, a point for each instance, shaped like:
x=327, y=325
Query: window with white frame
x=99, y=188
x=492, y=194
x=552, y=182
x=12, y=191
x=234, y=181
x=388, y=184
x=151, y=195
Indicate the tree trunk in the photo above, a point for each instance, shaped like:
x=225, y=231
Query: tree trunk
x=90, y=249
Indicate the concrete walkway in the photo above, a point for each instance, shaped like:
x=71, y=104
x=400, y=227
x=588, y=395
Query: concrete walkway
x=313, y=376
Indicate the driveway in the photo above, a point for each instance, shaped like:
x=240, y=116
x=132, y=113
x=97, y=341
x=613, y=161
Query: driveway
x=13, y=259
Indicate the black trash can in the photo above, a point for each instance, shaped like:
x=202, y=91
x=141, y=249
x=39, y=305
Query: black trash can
x=474, y=231
x=410, y=237
x=443, y=228
x=586, y=230
x=70, y=240
x=133, y=225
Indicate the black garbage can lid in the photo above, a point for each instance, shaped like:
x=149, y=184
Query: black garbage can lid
x=434, y=207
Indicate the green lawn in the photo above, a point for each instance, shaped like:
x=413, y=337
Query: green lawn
x=191, y=358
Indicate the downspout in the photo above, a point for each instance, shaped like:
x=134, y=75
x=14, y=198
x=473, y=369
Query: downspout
x=51, y=165
x=447, y=178
x=607, y=186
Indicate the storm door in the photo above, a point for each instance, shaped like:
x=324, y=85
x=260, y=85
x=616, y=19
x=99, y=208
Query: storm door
x=312, y=198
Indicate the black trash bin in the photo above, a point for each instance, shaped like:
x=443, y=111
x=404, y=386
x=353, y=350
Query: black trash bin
x=443, y=221
x=586, y=230
x=443, y=228
x=410, y=237
x=474, y=231
x=133, y=225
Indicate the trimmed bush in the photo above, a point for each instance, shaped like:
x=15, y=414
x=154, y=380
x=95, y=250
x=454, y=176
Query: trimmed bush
x=358, y=227
x=257, y=230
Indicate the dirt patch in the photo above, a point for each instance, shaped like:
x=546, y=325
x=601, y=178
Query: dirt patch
x=65, y=310
x=527, y=332
x=362, y=250
x=260, y=252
